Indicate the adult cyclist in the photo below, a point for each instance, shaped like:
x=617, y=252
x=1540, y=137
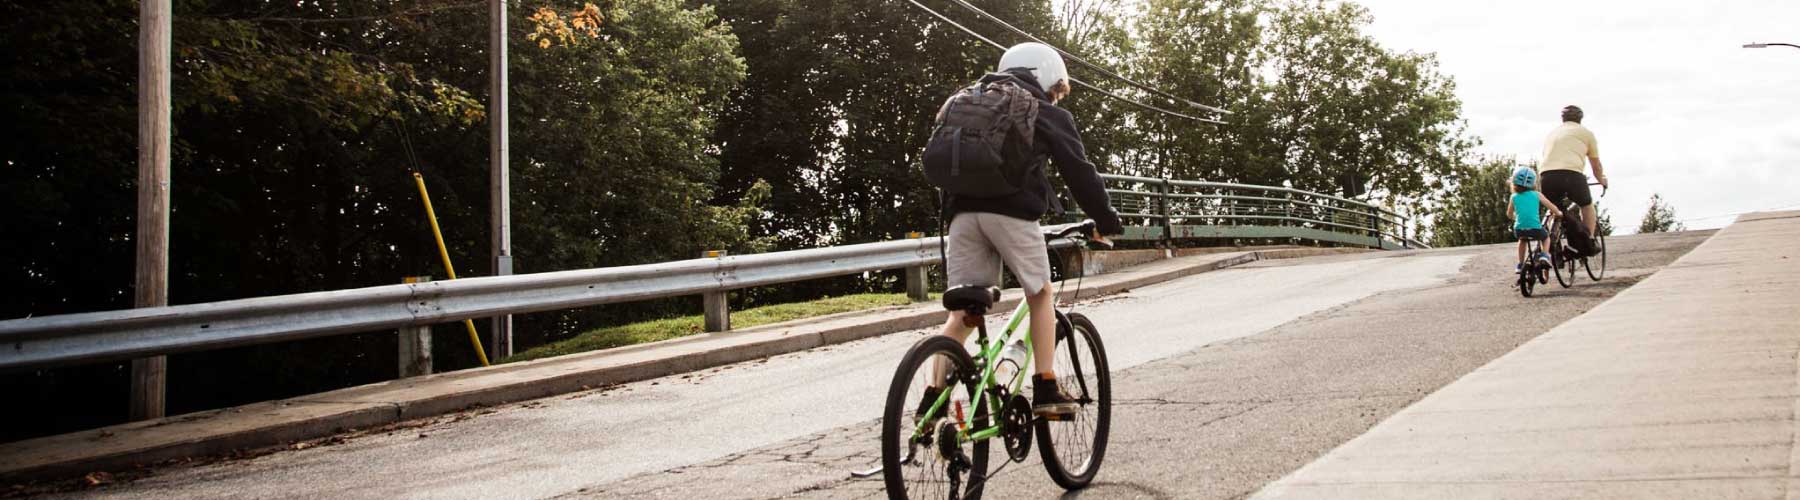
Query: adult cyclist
x=1568, y=150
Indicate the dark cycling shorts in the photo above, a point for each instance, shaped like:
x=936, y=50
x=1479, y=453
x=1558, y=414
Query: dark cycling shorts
x=1536, y=233
x=1560, y=184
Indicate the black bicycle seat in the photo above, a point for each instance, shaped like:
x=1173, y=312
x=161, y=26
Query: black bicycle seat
x=971, y=297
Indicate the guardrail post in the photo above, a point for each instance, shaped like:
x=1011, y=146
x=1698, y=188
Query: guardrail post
x=1163, y=208
x=718, y=309
x=415, y=343
x=915, y=277
x=1375, y=226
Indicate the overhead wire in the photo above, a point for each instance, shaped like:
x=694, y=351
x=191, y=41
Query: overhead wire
x=1072, y=79
x=1084, y=62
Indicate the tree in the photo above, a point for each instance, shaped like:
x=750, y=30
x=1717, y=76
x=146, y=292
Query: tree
x=1605, y=225
x=295, y=127
x=1660, y=218
x=1474, y=213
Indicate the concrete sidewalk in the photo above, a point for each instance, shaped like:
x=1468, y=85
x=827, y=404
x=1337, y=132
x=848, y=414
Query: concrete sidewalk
x=1683, y=386
x=259, y=425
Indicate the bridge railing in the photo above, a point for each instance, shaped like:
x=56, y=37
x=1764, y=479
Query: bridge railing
x=1165, y=209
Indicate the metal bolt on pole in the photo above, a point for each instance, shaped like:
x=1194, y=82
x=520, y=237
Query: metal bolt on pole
x=415, y=343
x=916, y=282
x=716, y=304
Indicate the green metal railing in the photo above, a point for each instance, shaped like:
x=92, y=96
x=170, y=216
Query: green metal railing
x=1158, y=209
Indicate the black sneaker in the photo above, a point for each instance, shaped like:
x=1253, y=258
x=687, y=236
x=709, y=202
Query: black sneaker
x=925, y=402
x=1048, y=401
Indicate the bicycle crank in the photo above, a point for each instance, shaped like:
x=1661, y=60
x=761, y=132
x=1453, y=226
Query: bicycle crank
x=1015, y=427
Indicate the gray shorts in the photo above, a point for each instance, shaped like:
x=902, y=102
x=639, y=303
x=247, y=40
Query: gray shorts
x=980, y=241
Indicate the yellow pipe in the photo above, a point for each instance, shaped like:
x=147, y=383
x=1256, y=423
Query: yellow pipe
x=448, y=269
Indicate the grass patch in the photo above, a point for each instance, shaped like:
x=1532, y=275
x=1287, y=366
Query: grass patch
x=664, y=329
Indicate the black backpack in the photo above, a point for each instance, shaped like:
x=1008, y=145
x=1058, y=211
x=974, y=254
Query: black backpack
x=1576, y=231
x=981, y=147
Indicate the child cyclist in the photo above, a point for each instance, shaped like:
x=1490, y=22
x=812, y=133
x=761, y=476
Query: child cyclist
x=1524, y=205
x=984, y=232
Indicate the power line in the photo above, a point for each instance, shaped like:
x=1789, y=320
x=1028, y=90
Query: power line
x=1072, y=79
x=1078, y=60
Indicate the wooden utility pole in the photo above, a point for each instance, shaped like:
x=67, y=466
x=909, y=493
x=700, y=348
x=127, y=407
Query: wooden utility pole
x=500, y=200
x=152, y=283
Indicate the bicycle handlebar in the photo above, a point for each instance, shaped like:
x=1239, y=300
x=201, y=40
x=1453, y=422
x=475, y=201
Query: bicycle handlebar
x=1081, y=231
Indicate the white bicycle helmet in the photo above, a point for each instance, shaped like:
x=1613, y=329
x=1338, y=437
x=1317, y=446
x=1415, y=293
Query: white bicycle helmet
x=1044, y=62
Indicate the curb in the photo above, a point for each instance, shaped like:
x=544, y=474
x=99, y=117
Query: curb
x=261, y=425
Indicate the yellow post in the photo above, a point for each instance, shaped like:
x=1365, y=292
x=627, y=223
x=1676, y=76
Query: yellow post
x=431, y=215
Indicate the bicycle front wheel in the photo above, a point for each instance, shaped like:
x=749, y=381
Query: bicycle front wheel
x=1073, y=447
x=1595, y=272
x=921, y=454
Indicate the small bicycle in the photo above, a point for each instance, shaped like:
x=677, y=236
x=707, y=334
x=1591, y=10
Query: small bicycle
x=1533, y=273
x=1564, y=258
x=939, y=448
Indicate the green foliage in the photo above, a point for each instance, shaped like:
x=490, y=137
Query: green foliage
x=295, y=128
x=668, y=328
x=1475, y=213
x=1660, y=218
x=1605, y=225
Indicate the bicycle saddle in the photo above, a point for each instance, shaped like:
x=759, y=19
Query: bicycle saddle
x=971, y=297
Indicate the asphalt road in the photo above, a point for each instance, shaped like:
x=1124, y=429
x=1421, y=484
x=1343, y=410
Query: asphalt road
x=1223, y=382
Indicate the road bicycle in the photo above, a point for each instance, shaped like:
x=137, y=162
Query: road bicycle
x=939, y=448
x=1563, y=255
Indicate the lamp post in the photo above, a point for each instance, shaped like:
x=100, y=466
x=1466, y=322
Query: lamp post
x=1765, y=45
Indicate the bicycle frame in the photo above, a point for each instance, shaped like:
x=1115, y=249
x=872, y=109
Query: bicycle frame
x=985, y=362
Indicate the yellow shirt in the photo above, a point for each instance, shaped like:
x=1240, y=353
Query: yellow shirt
x=1568, y=147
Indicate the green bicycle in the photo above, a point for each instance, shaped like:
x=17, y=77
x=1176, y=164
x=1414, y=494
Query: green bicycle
x=939, y=448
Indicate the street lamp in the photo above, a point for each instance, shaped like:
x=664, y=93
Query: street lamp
x=1762, y=45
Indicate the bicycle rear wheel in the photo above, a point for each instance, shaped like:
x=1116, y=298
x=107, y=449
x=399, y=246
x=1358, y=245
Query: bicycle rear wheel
x=1596, y=272
x=922, y=457
x=1072, y=448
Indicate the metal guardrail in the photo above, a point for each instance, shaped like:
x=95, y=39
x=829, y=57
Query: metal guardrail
x=132, y=333
x=1177, y=209
x=1167, y=209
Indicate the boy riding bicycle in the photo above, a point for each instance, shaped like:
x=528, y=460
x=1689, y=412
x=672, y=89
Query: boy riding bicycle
x=986, y=231
x=1524, y=205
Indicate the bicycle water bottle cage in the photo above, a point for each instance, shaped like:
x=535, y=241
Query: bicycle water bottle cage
x=973, y=299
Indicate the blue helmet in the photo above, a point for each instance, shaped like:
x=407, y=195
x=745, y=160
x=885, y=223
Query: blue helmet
x=1524, y=176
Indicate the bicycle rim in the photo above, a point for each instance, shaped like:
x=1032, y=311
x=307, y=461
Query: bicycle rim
x=915, y=469
x=1072, y=449
x=1593, y=272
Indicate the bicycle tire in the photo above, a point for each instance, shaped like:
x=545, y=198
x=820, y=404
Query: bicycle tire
x=1558, y=249
x=897, y=424
x=1086, y=376
x=1596, y=274
x=1526, y=281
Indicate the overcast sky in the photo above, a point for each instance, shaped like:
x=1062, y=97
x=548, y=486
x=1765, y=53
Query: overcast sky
x=1678, y=106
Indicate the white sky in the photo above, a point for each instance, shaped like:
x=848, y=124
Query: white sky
x=1678, y=106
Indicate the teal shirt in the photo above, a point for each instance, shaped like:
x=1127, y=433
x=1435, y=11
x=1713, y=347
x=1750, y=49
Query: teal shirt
x=1525, y=210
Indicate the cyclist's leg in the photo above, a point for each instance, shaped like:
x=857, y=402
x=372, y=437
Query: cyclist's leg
x=1021, y=245
x=1590, y=217
x=971, y=260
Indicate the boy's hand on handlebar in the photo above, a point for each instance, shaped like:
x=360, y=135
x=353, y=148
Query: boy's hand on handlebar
x=1100, y=239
